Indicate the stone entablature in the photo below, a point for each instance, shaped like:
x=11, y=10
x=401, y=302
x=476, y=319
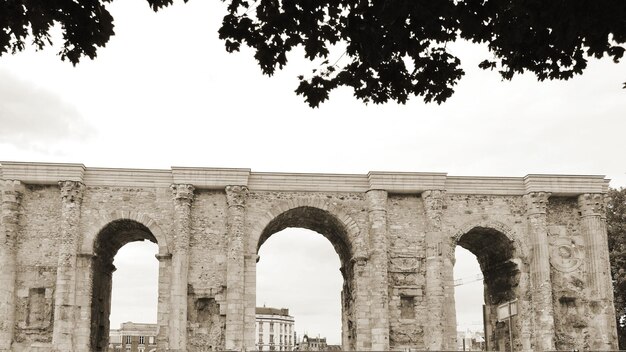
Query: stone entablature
x=540, y=239
x=218, y=178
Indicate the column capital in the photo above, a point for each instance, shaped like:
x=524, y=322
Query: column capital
x=163, y=257
x=536, y=202
x=182, y=192
x=377, y=199
x=71, y=191
x=236, y=195
x=592, y=204
x=12, y=190
x=434, y=199
x=434, y=204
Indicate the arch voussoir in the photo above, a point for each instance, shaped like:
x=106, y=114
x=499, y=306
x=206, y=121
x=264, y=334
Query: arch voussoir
x=499, y=226
x=344, y=218
x=109, y=217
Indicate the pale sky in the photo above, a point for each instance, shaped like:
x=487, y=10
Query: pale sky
x=165, y=93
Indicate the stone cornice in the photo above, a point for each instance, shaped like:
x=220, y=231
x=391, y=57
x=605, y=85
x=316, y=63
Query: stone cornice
x=219, y=178
x=294, y=182
x=41, y=173
x=566, y=185
x=210, y=178
x=406, y=182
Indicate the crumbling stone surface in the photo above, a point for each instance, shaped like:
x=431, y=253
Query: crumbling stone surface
x=537, y=246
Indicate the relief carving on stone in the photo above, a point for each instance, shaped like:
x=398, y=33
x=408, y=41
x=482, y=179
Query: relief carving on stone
x=404, y=264
x=403, y=268
x=565, y=254
x=403, y=279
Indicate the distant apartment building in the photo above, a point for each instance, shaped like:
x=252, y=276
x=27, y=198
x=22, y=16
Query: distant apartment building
x=133, y=337
x=316, y=344
x=274, y=329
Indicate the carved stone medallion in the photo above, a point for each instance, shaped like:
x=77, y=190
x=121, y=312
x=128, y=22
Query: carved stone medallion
x=565, y=255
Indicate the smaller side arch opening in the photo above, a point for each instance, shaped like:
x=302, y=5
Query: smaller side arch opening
x=107, y=243
x=497, y=258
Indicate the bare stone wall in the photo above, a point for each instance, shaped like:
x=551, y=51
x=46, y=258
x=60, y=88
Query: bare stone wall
x=407, y=303
x=540, y=240
x=207, y=271
x=36, y=274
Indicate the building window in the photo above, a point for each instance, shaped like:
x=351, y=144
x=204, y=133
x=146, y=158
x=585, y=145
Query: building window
x=142, y=340
x=129, y=339
x=151, y=340
x=260, y=337
x=271, y=327
x=271, y=339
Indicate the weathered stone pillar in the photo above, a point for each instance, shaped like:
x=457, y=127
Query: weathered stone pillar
x=593, y=226
x=250, y=261
x=165, y=301
x=540, y=281
x=84, y=287
x=361, y=312
x=236, y=199
x=183, y=197
x=379, y=289
x=65, y=289
x=441, y=317
x=12, y=192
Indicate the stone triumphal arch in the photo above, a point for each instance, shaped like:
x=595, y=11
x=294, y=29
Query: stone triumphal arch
x=540, y=241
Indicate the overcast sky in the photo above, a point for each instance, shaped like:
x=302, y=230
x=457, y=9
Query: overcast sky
x=165, y=93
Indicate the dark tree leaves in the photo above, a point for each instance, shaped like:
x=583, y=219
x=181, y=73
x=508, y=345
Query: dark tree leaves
x=395, y=49
x=616, y=230
x=383, y=49
x=86, y=25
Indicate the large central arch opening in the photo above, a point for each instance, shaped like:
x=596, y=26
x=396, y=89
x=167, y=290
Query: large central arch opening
x=294, y=223
x=498, y=263
x=108, y=242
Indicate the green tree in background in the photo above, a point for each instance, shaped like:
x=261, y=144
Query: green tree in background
x=383, y=49
x=616, y=229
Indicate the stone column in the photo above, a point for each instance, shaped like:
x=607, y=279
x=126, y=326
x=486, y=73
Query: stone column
x=438, y=296
x=250, y=261
x=361, y=311
x=593, y=225
x=84, y=287
x=12, y=192
x=165, y=301
x=540, y=281
x=65, y=288
x=236, y=199
x=182, y=194
x=379, y=283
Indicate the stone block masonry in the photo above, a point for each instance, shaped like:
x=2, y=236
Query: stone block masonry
x=539, y=239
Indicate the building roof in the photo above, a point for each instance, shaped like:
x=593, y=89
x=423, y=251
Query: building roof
x=272, y=311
